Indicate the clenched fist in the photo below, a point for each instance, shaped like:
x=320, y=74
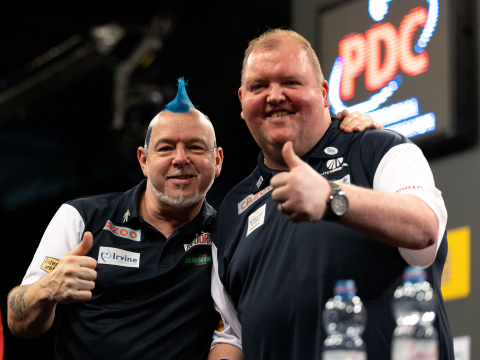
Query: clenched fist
x=73, y=278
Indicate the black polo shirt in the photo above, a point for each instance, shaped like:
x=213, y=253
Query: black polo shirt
x=152, y=295
x=280, y=274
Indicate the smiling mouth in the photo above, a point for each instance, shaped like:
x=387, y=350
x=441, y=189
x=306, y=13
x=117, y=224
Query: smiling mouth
x=181, y=177
x=276, y=114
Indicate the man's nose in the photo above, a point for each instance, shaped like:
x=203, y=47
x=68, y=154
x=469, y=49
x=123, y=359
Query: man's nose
x=275, y=94
x=180, y=157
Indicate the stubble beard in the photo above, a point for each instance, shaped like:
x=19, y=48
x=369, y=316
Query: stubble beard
x=181, y=201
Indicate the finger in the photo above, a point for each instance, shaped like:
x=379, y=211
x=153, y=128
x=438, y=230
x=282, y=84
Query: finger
x=87, y=274
x=75, y=295
x=84, y=246
x=342, y=114
x=350, y=121
x=279, y=179
x=377, y=126
x=85, y=285
x=291, y=159
x=280, y=195
x=345, y=117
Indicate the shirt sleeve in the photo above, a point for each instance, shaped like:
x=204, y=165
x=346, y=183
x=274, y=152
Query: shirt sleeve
x=404, y=170
x=232, y=333
x=63, y=234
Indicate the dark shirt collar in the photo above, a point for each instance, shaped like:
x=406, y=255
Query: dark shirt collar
x=131, y=201
x=332, y=145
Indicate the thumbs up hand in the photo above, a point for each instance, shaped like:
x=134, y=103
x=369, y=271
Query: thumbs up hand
x=301, y=193
x=73, y=278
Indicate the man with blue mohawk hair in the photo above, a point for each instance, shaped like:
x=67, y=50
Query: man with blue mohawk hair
x=130, y=272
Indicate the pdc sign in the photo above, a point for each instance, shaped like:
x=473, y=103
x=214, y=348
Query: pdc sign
x=381, y=57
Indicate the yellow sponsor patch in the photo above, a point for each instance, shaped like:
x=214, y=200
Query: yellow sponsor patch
x=456, y=273
x=220, y=326
x=49, y=264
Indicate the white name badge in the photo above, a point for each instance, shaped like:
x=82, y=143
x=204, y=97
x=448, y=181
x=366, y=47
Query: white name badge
x=256, y=219
x=119, y=257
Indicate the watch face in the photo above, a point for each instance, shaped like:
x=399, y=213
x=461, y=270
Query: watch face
x=339, y=204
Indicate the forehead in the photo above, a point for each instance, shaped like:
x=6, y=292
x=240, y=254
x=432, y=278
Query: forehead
x=284, y=56
x=182, y=127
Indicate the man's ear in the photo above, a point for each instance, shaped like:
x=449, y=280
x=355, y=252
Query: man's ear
x=325, y=93
x=218, y=161
x=241, y=99
x=142, y=159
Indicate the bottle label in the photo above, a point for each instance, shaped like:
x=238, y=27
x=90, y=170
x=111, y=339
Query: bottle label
x=344, y=355
x=410, y=349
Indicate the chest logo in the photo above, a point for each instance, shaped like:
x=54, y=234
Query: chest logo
x=335, y=163
x=260, y=181
x=203, y=239
x=256, y=219
x=344, y=180
x=250, y=199
x=197, y=260
x=119, y=257
x=331, y=150
x=126, y=215
x=123, y=232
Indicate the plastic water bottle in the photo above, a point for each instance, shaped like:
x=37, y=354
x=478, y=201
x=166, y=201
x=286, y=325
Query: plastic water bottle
x=415, y=337
x=344, y=319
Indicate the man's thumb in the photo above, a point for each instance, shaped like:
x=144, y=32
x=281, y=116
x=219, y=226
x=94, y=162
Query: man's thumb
x=291, y=159
x=84, y=246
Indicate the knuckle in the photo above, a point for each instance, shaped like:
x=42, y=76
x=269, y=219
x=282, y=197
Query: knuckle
x=69, y=283
x=70, y=271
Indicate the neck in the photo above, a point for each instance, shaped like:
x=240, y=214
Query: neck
x=163, y=217
x=274, y=165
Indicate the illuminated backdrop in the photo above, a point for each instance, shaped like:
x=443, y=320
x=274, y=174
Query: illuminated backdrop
x=397, y=60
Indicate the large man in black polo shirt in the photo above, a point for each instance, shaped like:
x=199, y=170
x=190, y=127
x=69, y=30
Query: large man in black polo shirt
x=281, y=242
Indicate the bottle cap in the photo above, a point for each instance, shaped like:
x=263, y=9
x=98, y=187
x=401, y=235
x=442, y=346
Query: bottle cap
x=345, y=288
x=414, y=274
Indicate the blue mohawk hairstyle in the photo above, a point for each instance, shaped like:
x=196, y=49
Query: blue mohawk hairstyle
x=181, y=103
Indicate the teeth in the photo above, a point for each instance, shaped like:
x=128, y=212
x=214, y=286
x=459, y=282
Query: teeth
x=278, y=114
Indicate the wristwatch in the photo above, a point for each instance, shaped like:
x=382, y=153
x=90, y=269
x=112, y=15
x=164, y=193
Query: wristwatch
x=337, y=203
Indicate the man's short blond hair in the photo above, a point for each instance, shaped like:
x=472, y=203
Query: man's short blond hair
x=270, y=39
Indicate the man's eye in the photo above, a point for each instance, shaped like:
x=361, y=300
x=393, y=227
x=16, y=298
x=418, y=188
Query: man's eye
x=165, y=149
x=256, y=87
x=197, y=149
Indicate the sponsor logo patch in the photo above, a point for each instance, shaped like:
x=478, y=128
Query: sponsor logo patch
x=256, y=219
x=413, y=187
x=260, y=181
x=123, y=232
x=335, y=165
x=203, y=239
x=49, y=264
x=250, y=199
x=344, y=180
x=197, y=260
x=220, y=326
x=331, y=150
x=119, y=257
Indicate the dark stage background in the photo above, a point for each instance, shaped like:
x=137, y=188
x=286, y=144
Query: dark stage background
x=58, y=143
